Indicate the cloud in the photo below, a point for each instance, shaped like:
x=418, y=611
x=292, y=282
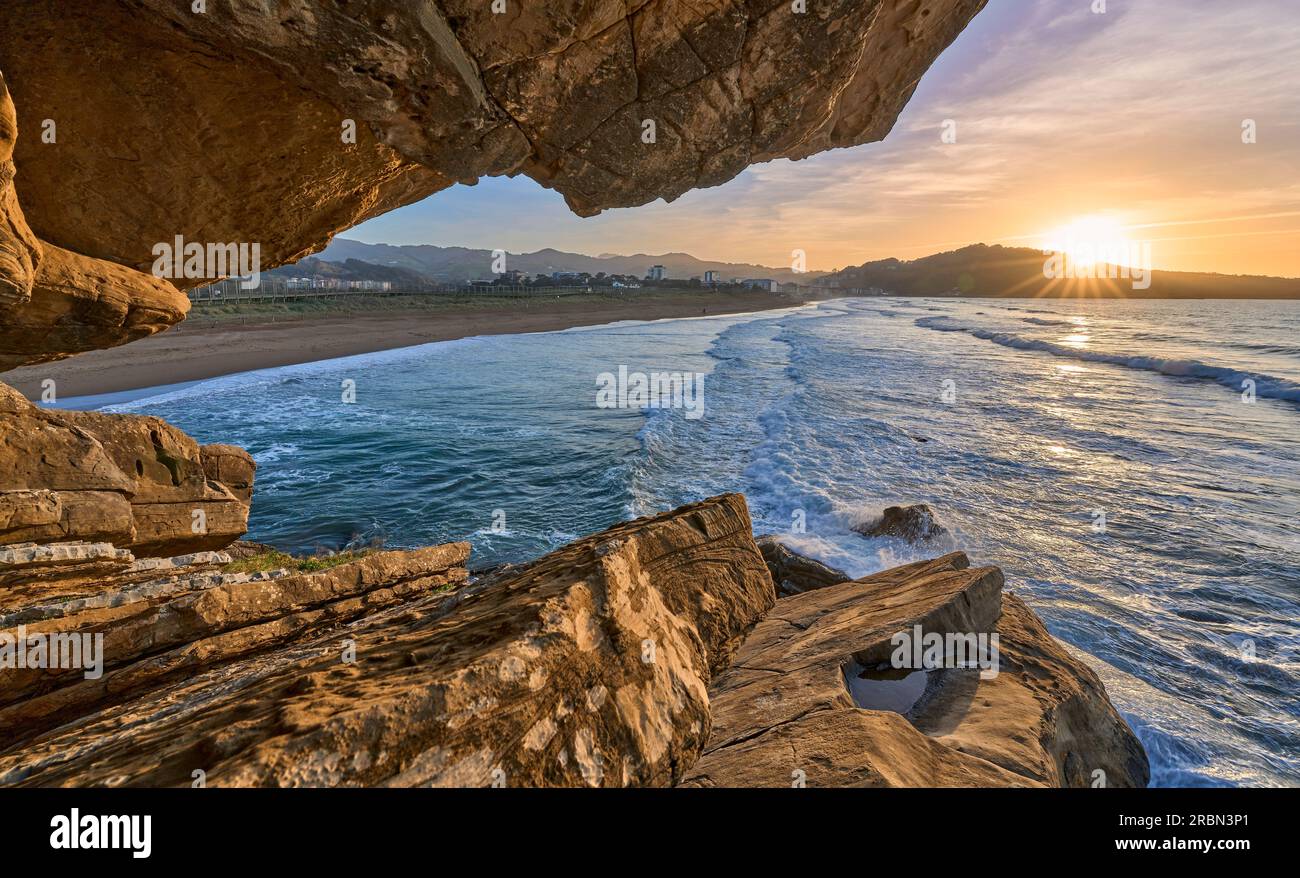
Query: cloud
x=1059, y=111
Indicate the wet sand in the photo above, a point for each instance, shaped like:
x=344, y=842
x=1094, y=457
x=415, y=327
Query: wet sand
x=199, y=349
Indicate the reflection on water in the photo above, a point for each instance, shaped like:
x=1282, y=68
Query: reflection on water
x=885, y=687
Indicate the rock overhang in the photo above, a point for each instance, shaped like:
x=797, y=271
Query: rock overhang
x=283, y=126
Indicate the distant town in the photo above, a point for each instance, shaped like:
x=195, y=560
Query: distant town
x=317, y=277
x=655, y=276
x=975, y=270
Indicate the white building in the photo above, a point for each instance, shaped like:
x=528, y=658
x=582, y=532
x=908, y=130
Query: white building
x=760, y=283
x=656, y=272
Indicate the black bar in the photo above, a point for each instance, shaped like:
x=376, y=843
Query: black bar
x=635, y=830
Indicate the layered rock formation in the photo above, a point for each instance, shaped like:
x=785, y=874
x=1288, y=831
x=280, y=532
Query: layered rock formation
x=588, y=667
x=135, y=482
x=653, y=653
x=159, y=623
x=282, y=124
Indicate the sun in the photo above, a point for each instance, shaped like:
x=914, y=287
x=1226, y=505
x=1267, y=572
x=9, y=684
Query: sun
x=1091, y=239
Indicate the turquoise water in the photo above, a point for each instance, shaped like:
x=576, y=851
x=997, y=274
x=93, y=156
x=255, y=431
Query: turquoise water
x=1026, y=425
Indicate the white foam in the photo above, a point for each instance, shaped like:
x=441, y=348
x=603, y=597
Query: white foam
x=1265, y=385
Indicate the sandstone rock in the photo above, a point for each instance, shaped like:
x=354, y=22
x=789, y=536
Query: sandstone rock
x=793, y=573
x=911, y=523
x=201, y=621
x=786, y=711
x=160, y=462
x=85, y=515
x=389, y=103
x=209, y=522
x=26, y=568
x=53, y=592
x=40, y=451
x=242, y=549
x=145, y=621
x=20, y=252
x=617, y=660
x=23, y=510
x=232, y=466
x=588, y=667
x=77, y=304
x=1046, y=716
x=132, y=481
x=54, y=302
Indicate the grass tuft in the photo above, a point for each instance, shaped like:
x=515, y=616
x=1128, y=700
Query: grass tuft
x=278, y=560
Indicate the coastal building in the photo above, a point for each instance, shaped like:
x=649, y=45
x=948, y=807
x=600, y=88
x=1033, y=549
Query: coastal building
x=656, y=272
x=759, y=283
x=713, y=277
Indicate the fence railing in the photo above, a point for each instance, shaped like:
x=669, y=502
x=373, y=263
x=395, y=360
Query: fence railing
x=271, y=291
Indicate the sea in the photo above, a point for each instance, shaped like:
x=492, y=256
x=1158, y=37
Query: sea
x=1133, y=466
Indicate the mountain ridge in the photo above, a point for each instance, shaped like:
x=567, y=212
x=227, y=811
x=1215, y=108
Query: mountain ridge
x=456, y=264
x=992, y=270
x=976, y=270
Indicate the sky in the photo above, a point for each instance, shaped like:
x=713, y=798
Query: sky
x=1123, y=127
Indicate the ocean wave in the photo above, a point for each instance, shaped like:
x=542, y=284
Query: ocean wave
x=1042, y=321
x=1267, y=386
x=1253, y=347
x=274, y=452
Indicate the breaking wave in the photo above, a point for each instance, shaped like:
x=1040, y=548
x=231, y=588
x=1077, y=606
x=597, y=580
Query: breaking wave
x=1267, y=386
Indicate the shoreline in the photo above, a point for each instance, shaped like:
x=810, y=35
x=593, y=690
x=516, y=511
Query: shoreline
x=186, y=355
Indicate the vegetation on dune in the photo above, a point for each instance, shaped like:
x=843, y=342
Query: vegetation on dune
x=305, y=308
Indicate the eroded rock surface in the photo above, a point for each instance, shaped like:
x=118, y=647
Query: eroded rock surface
x=785, y=711
x=135, y=482
x=282, y=124
x=159, y=622
x=653, y=653
x=794, y=573
x=588, y=667
x=55, y=302
x=911, y=523
x=19, y=250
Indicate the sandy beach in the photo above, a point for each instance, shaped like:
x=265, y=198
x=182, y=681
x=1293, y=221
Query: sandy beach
x=201, y=348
